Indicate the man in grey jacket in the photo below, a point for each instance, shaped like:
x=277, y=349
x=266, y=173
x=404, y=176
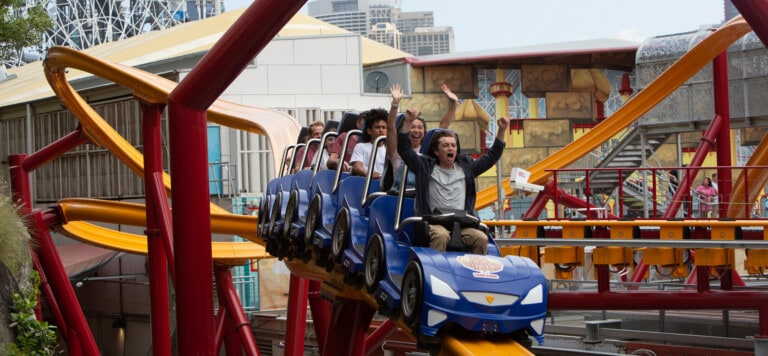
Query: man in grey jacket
x=445, y=178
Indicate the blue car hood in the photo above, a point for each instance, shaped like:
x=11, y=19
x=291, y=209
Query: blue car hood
x=487, y=268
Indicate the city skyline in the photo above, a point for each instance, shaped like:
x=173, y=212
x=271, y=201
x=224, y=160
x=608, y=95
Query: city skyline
x=535, y=22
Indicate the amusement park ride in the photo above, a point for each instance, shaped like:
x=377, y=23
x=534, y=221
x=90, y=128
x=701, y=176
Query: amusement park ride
x=362, y=248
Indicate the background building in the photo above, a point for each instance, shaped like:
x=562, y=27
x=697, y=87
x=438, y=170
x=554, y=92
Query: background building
x=386, y=33
x=365, y=17
x=424, y=41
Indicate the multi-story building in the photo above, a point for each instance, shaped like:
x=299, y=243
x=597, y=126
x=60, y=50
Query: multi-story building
x=386, y=33
x=429, y=40
x=365, y=16
x=410, y=21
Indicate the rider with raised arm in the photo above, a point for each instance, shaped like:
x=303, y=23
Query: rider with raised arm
x=417, y=127
x=445, y=178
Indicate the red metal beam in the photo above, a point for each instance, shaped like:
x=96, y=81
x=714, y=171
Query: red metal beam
x=187, y=104
x=722, y=108
x=320, y=313
x=192, y=224
x=62, y=288
x=297, y=316
x=756, y=14
x=351, y=319
x=220, y=328
x=374, y=341
x=701, y=153
x=162, y=211
x=651, y=300
x=228, y=299
x=55, y=149
x=158, y=265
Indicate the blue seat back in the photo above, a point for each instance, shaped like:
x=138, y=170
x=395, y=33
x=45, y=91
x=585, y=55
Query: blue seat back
x=303, y=179
x=351, y=190
x=382, y=213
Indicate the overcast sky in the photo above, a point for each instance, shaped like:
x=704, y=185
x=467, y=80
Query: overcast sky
x=493, y=24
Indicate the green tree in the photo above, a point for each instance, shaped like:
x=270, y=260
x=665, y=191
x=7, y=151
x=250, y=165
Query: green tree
x=22, y=25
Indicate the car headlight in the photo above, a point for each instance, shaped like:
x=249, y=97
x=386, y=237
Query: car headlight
x=534, y=296
x=442, y=289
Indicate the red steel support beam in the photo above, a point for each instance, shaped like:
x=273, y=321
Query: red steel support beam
x=321, y=312
x=192, y=223
x=163, y=216
x=355, y=317
x=720, y=79
x=295, y=327
x=220, y=328
x=62, y=288
x=374, y=341
x=55, y=149
x=228, y=299
x=650, y=300
x=22, y=199
x=187, y=105
x=701, y=153
x=20, y=190
x=756, y=14
x=158, y=264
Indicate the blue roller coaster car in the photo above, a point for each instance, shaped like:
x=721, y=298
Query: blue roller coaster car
x=323, y=208
x=485, y=294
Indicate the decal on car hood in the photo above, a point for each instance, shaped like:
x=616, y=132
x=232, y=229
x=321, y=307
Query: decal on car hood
x=482, y=266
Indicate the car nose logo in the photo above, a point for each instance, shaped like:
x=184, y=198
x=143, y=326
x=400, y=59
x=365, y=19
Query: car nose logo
x=489, y=299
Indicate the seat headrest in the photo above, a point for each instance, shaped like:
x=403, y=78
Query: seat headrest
x=303, y=134
x=348, y=122
x=331, y=125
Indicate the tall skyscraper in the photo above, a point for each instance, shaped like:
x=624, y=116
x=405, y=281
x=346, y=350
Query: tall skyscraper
x=366, y=17
x=429, y=40
x=386, y=33
x=410, y=21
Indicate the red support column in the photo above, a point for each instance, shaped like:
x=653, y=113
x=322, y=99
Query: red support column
x=53, y=305
x=55, y=149
x=701, y=153
x=651, y=300
x=233, y=344
x=228, y=299
x=320, y=313
x=221, y=324
x=192, y=224
x=163, y=216
x=187, y=105
x=352, y=319
x=22, y=199
x=20, y=190
x=603, y=279
x=156, y=254
x=756, y=14
x=62, y=289
x=720, y=75
x=296, y=324
x=377, y=337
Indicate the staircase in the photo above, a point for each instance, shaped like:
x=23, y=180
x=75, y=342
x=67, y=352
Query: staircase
x=626, y=156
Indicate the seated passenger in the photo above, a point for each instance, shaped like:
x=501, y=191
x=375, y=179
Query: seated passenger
x=417, y=129
x=335, y=150
x=328, y=143
x=315, y=131
x=375, y=126
x=445, y=178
